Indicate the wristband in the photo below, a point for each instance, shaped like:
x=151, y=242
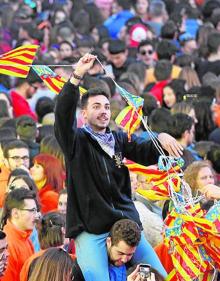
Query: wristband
x=77, y=77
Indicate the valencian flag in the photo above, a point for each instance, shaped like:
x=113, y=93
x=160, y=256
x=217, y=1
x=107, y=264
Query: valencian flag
x=130, y=117
x=52, y=80
x=18, y=61
x=159, y=181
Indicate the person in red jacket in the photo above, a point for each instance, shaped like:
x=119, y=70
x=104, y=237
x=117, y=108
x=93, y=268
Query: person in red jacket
x=48, y=175
x=24, y=89
x=18, y=220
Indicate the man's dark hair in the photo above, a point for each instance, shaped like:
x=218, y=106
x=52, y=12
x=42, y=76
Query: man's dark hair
x=145, y=43
x=116, y=47
x=165, y=50
x=15, y=199
x=213, y=155
x=184, y=60
x=162, y=70
x=44, y=105
x=125, y=230
x=13, y=145
x=159, y=120
x=7, y=134
x=50, y=230
x=168, y=30
x=213, y=42
x=125, y=4
x=93, y=92
x=180, y=123
x=150, y=103
x=31, y=79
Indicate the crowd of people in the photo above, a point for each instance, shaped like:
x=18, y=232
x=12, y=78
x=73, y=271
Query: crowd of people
x=70, y=207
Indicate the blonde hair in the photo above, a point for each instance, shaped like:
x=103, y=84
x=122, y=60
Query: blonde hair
x=190, y=76
x=182, y=107
x=191, y=173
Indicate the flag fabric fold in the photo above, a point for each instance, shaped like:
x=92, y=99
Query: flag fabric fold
x=52, y=80
x=18, y=61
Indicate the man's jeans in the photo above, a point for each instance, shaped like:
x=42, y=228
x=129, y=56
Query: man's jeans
x=92, y=256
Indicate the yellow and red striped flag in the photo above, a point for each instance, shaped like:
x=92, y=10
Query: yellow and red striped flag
x=129, y=119
x=18, y=61
x=52, y=80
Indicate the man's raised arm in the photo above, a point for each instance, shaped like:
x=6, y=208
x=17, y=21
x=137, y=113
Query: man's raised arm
x=66, y=105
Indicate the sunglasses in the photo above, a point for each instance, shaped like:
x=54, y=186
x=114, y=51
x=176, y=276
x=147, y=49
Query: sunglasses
x=149, y=52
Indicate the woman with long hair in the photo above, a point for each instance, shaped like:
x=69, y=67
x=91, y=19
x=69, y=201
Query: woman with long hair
x=48, y=175
x=54, y=265
x=198, y=175
x=173, y=92
x=190, y=76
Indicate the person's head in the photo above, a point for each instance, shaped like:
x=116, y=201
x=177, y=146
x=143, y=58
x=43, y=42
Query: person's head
x=213, y=156
x=117, y=53
x=5, y=97
x=146, y=52
x=45, y=131
x=65, y=49
x=21, y=181
x=190, y=76
x=188, y=43
x=16, y=154
x=21, y=209
x=185, y=107
x=169, y=30
x=150, y=103
x=122, y=241
x=141, y=7
x=199, y=174
x=95, y=107
x=166, y=50
x=55, y=264
x=59, y=16
x=47, y=169
x=28, y=87
x=62, y=201
x=157, y=9
x=51, y=230
x=44, y=106
x=213, y=43
x=26, y=128
x=4, y=109
x=3, y=253
x=16, y=173
x=159, y=120
x=163, y=69
x=173, y=92
x=182, y=128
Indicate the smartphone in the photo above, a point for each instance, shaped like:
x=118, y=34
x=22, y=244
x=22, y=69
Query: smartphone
x=144, y=271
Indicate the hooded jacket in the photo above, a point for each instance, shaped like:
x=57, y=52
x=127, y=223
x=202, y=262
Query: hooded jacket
x=99, y=189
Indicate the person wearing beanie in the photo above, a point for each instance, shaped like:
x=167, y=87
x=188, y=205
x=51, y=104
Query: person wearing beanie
x=26, y=129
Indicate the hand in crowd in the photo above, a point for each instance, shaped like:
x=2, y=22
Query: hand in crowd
x=134, y=276
x=170, y=145
x=211, y=191
x=84, y=64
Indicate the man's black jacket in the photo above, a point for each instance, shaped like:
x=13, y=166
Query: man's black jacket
x=99, y=192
